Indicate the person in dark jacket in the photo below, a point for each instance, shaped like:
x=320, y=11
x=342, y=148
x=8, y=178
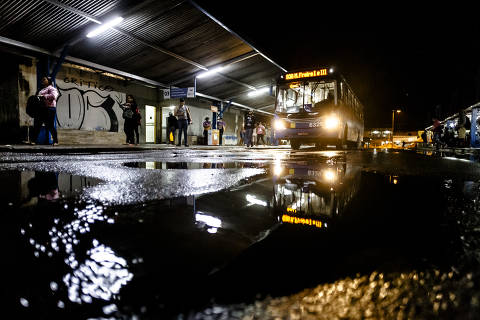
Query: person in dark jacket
x=249, y=125
x=172, y=125
x=129, y=110
x=47, y=113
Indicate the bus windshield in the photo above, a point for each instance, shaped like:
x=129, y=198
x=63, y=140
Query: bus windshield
x=303, y=96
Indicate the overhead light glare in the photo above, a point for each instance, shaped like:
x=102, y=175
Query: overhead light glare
x=210, y=72
x=104, y=26
x=258, y=92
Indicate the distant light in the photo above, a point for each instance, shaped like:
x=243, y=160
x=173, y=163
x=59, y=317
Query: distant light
x=258, y=92
x=398, y=111
x=330, y=70
x=375, y=132
x=104, y=26
x=210, y=72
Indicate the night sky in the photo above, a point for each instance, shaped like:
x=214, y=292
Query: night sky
x=425, y=61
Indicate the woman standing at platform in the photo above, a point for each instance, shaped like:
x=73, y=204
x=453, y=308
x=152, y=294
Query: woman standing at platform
x=129, y=112
x=48, y=95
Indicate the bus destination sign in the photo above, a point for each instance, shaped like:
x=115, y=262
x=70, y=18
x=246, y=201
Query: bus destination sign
x=306, y=74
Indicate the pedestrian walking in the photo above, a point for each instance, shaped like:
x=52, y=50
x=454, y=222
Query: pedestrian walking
x=184, y=118
x=249, y=125
x=129, y=111
x=260, y=133
x=48, y=110
x=172, y=125
x=221, y=125
x=207, y=125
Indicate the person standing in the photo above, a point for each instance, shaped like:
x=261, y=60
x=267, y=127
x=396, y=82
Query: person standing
x=249, y=125
x=138, y=122
x=171, y=127
x=183, y=119
x=221, y=125
x=48, y=96
x=260, y=133
x=207, y=125
x=129, y=110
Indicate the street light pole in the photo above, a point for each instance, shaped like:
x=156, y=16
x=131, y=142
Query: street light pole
x=393, y=121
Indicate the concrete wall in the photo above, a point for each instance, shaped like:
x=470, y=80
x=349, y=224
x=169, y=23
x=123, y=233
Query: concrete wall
x=88, y=107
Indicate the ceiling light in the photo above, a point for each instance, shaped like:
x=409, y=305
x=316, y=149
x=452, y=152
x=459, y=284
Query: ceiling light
x=210, y=72
x=258, y=92
x=104, y=26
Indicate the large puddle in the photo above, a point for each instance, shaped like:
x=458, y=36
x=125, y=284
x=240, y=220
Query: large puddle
x=302, y=223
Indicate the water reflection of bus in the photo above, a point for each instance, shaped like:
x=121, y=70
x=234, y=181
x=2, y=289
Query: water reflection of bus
x=314, y=193
x=317, y=106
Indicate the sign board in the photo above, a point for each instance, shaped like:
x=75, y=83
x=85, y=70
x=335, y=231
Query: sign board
x=174, y=93
x=214, y=108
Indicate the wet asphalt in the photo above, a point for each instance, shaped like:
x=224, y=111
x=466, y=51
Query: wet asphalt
x=236, y=233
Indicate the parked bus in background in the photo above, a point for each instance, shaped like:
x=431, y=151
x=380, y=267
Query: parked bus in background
x=317, y=106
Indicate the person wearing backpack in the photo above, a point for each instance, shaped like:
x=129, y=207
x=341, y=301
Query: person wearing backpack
x=129, y=110
x=47, y=111
x=183, y=119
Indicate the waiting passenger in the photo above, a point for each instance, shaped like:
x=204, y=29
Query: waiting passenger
x=184, y=119
x=171, y=127
x=221, y=125
x=207, y=125
x=129, y=111
x=46, y=115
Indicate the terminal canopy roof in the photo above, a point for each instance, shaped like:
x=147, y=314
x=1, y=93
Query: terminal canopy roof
x=161, y=43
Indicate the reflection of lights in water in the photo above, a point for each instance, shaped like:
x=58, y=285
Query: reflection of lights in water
x=101, y=276
x=253, y=200
x=208, y=220
x=212, y=222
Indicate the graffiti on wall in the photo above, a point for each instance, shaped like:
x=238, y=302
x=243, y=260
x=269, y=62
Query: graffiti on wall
x=85, y=106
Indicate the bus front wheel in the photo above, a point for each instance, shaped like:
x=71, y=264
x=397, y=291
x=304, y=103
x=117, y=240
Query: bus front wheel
x=343, y=140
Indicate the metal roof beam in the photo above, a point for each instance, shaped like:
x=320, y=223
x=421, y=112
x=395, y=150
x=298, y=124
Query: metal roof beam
x=85, y=63
x=153, y=46
x=240, y=58
x=233, y=103
x=235, y=34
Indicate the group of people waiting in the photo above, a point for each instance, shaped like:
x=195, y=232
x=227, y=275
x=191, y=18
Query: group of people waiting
x=450, y=136
x=252, y=131
x=132, y=118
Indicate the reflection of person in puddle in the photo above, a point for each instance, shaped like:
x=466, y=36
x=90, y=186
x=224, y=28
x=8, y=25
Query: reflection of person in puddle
x=44, y=186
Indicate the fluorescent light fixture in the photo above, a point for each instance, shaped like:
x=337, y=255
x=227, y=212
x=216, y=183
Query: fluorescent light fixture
x=210, y=72
x=258, y=92
x=104, y=26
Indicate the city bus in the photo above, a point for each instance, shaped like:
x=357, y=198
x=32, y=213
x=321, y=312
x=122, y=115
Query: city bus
x=317, y=106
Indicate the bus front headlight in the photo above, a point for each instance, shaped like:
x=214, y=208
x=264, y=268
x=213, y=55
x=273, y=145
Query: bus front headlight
x=331, y=122
x=279, y=125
